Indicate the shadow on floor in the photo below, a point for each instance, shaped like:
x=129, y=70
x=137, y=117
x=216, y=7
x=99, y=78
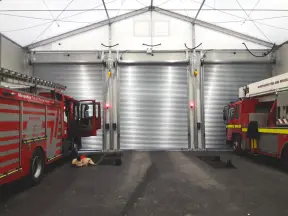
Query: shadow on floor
x=16, y=187
x=270, y=162
x=217, y=163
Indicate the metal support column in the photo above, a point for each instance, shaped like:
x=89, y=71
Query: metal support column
x=199, y=107
x=194, y=92
x=190, y=117
x=108, y=118
x=110, y=102
x=117, y=89
x=202, y=103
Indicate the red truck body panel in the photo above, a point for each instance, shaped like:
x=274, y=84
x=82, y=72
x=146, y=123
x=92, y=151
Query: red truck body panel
x=28, y=122
x=238, y=127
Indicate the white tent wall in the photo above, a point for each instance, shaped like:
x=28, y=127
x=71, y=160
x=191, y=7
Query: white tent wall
x=131, y=33
x=85, y=41
x=281, y=60
x=13, y=56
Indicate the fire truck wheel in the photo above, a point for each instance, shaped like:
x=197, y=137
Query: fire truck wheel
x=37, y=166
x=284, y=158
x=237, y=145
x=118, y=162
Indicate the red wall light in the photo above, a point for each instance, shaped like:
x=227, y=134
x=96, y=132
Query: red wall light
x=192, y=105
x=107, y=106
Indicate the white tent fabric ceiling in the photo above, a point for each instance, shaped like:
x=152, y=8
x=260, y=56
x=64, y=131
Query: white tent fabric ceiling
x=29, y=21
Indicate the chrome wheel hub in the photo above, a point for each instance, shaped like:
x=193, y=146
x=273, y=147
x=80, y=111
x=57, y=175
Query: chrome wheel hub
x=37, y=167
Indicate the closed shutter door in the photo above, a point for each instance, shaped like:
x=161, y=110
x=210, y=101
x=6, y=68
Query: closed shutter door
x=221, y=85
x=153, y=107
x=83, y=81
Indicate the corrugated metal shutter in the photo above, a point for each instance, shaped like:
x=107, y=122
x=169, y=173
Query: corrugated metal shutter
x=153, y=107
x=82, y=81
x=221, y=84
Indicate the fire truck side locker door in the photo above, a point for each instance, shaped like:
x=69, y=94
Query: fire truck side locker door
x=90, y=118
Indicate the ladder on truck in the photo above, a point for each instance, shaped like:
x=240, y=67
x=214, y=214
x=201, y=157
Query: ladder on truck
x=15, y=80
x=268, y=86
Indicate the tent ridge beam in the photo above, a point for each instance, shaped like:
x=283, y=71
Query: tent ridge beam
x=214, y=27
x=146, y=9
x=88, y=28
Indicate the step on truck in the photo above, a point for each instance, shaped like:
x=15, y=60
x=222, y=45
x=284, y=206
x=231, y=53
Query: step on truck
x=258, y=121
x=39, y=124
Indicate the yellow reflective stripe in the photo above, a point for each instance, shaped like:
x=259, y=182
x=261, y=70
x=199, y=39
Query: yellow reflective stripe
x=273, y=130
x=269, y=130
x=35, y=139
x=233, y=126
x=9, y=173
x=49, y=159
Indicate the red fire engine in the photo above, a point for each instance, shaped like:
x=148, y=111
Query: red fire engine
x=258, y=121
x=39, y=124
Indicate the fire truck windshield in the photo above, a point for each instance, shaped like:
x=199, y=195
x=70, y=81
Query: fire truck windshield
x=225, y=113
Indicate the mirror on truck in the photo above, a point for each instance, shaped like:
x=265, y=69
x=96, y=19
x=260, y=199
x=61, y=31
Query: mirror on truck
x=225, y=112
x=89, y=117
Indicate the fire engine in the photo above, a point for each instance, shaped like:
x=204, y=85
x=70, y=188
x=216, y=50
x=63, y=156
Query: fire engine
x=258, y=121
x=39, y=124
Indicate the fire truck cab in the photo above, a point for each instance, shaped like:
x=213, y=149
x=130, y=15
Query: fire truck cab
x=39, y=124
x=258, y=121
x=81, y=118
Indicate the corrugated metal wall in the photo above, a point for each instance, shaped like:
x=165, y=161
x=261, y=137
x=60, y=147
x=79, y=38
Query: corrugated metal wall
x=221, y=84
x=83, y=81
x=153, y=107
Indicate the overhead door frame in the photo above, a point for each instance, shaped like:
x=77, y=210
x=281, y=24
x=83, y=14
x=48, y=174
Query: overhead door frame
x=202, y=84
x=162, y=63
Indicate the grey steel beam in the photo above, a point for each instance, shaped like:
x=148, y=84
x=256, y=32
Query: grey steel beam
x=214, y=27
x=151, y=4
x=88, y=28
x=106, y=11
x=195, y=18
x=203, y=62
x=168, y=62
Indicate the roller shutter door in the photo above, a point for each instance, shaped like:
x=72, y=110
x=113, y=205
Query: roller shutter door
x=221, y=84
x=153, y=107
x=83, y=81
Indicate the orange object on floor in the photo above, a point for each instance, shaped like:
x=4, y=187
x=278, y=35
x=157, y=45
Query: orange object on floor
x=82, y=161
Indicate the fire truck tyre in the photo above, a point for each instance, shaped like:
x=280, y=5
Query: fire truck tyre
x=237, y=145
x=284, y=158
x=37, y=167
x=118, y=162
x=229, y=143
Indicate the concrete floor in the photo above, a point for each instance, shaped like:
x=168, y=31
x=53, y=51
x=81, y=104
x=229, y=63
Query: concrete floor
x=155, y=183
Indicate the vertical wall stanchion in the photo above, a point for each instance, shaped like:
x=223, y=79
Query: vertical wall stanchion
x=118, y=106
x=105, y=91
x=202, y=71
x=110, y=64
x=195, y=132
x=189, y=86
x=199, y=109
x=110, y=110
